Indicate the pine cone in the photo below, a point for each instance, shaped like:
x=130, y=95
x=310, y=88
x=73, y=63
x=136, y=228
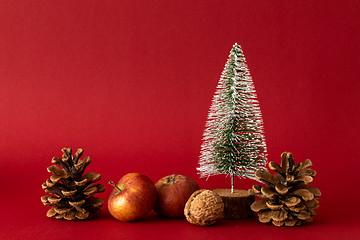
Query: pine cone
x=71, y=191
x=287, y=200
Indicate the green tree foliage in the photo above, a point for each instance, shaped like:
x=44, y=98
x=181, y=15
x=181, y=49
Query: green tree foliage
x=233, y=140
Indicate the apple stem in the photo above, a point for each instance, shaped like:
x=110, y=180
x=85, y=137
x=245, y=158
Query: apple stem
x=170, y=179
x=113, y=184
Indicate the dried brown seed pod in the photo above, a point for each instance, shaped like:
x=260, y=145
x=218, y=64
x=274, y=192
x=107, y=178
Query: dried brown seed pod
x=70, y=190
x=287, y=200
x=204, y=208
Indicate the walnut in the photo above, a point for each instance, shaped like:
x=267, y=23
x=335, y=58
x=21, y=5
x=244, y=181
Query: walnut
x=204, y=208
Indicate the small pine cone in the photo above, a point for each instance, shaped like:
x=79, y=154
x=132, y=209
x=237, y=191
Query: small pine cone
x=287, y=200
x=71, y=191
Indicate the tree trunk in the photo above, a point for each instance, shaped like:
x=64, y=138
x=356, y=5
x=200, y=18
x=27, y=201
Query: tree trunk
x=237, y=204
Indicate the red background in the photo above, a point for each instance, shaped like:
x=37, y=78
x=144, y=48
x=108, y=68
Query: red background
x=131, y=82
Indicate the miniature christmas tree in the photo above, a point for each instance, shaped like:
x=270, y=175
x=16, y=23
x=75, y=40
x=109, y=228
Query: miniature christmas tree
x=233, y=140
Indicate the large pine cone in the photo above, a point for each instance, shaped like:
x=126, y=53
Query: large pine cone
x=287, y=200
x=71, y=191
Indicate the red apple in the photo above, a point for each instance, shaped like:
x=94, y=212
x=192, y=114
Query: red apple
x=132, y=197
x=173, y=193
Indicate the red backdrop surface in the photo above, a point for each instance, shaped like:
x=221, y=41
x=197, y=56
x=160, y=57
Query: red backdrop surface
x=131, y=82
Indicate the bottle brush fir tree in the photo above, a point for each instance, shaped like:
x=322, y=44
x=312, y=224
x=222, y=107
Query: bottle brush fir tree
x=233, y=139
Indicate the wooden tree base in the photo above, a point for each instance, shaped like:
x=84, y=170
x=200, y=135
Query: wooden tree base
x=237, y=204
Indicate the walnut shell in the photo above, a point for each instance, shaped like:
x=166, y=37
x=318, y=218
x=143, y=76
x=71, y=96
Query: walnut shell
x=204, y=208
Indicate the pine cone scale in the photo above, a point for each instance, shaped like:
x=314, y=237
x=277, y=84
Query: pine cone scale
x=70, y=215
x=62, y=209
x=56, y=160
x=256, y=188
x=55, y=170
x=83, y=182
x=279, y=215
x=94, y=201
x=45, y=201
x=259, y=205
x=273, y=205
x=77, y=155
x=281, y=189
x=275, y=167
x=304, y=194
x=51, y=212
x=77, y=204
x=291, y=201
x=55, y=178
x=53, y=200
x=82, y=215
x=290, y=222
x=269, y=192
x=100, y=188
x=264, y=215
